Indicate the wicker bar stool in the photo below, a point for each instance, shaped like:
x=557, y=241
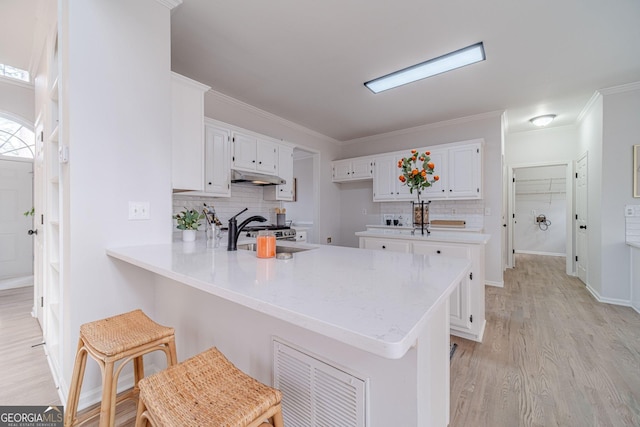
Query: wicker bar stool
x=207, y=390
x=123, y=338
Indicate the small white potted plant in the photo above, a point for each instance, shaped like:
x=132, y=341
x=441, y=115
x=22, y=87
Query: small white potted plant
x=188, y=221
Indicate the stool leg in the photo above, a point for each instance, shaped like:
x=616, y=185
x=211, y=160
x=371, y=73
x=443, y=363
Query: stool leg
x=138, y=372
x=141, y=421
x=277, y=418
x=76, y=384
x=173, y=359
x=107, y=406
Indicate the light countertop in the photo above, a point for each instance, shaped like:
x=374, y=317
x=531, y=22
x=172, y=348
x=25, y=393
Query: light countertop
x=372, y=300
x=435, y=236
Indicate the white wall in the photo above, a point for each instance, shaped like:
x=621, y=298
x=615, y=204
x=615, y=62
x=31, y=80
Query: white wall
x=621, y=127
x=116, y=110
x=229, y=110
x=17, y=101
x=485, y=126
x=542, y=146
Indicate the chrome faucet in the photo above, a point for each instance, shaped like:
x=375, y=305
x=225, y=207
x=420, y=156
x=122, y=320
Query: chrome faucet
x=235, y=229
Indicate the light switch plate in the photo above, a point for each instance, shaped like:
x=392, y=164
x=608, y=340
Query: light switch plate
x=138, y=211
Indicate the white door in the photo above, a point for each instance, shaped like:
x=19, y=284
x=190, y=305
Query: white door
x=16, y=246
x=465, y=176
x=581, y=219
x=267, y=153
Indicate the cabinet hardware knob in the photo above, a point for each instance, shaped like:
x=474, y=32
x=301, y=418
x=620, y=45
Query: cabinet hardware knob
x=32, y=232
x=438, y=251
x=209, y=183
x=584, y=227
x=384, y=247
x=253, y=161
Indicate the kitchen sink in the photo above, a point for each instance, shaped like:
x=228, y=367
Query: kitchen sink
x=279, y=249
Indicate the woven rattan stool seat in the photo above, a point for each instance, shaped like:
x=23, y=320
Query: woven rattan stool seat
x=112, y=343
x=117, y=334
x=207, y=390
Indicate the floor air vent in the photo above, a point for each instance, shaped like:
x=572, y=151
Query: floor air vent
x=316, y=393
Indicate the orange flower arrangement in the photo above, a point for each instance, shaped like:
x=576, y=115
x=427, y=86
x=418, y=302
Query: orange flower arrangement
x=417, y=171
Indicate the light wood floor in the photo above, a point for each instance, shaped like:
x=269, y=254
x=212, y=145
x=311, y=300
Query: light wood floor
x=25, y=378
x=551, y=355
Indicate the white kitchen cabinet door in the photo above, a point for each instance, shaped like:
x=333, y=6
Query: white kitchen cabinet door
x=244, y=151
x=385, y=244
x=384, y=178
x=267, y=157
x=465, y=177
x=217, y=164
x=362, y=168
x=437, y=189
x=341, y=170
x=187, y=133
x=460, y=299
x=386, y=183
x=285, y=171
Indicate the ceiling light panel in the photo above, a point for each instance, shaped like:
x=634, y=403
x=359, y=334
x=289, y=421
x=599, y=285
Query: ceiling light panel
x=450, y=61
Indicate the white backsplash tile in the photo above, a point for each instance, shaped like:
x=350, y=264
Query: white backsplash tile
x=471, y=211
x=243, y=196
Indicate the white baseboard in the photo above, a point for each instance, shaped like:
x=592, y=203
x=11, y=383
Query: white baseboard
x=499, y=284
x=613, y=301
x=16, y=282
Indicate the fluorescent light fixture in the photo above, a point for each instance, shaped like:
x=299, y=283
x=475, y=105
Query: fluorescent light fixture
x=442, y=64
x=542, y=121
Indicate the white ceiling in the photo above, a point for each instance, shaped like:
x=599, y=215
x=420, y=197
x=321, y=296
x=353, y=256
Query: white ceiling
x=307, y=61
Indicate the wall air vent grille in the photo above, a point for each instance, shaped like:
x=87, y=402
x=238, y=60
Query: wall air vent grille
x=316, y=393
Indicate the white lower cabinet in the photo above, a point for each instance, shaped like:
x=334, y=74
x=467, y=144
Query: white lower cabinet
x=466, y=303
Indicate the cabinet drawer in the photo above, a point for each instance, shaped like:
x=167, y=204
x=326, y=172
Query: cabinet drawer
x=444, y=250
x=387, y=245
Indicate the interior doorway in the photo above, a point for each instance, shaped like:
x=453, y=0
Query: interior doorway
x=540, y=209
x=16, y=202
x=304, y=210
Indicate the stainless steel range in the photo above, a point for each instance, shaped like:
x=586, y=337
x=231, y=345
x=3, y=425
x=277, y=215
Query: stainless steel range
x=282, y=232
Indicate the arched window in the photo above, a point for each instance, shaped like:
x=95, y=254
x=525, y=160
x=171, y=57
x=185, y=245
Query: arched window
x=15, y=139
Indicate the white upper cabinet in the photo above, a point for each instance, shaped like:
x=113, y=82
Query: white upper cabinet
x=245, y=151
x=386, y=185
x=187, y=133
x=464, y=180
x=360, y=168
x=217, y=161
x=437, y=189
x=285, y=171
x=254, y=154
x=267, y=160
x=458, y=165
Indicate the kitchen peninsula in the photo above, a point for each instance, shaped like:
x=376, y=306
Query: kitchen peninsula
x=375, y=317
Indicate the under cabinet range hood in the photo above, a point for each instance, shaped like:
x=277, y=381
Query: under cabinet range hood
x=254, y=178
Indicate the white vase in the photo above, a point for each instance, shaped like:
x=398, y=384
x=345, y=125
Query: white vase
x=188, y=235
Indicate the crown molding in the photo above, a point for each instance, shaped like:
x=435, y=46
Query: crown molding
x=270, y=116
x=629, y=87
x=435, y=125
x=170, y=4
x=588, y=106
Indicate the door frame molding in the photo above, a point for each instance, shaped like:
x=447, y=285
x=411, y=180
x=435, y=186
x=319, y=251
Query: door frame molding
x=570, y=210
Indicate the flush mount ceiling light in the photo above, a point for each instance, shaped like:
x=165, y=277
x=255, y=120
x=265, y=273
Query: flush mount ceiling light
x=442, y=64
x=542, y=121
